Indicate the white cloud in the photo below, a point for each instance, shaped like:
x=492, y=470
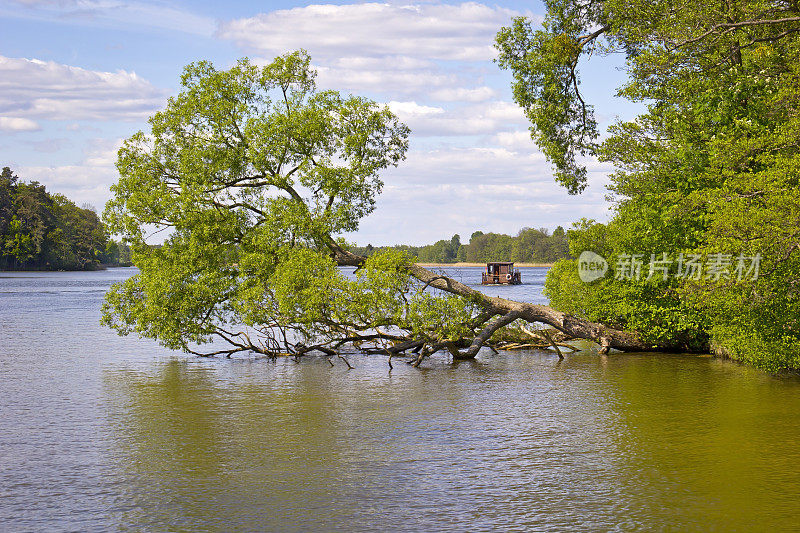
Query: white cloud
x=483, y=119
x=413, y=108
x=45, y=2
x=450, y=165
x=102, y=153
x=384, y=63
x=404, y=82
x=504, y=111
x=462, y=32
x=423, y=52
x=112, y=13
x=87, y=181
x=30, y=88
x=513, y=140
x=462, y=94
x=18, y=124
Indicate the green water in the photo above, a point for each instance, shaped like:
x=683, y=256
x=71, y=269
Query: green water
x=100, y=433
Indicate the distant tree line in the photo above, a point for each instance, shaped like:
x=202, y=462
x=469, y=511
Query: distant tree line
x=528, y=246
x=44, y=231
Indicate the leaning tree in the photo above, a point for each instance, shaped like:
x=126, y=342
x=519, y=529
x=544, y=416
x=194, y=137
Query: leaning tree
x=253, y=175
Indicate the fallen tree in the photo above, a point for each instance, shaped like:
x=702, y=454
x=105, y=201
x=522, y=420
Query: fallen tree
x=254, y=173
x=498, y=313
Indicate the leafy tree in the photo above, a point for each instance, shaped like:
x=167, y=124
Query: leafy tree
x=530, y=245
x=8, y=176
x=79, y=238
x=117, y=253
x=43, y=231
x=34, y=208
x=455, y=242
x=536, y=245
x=7, y=191
x=490, y=247
x=711, y=167
x=441, y=251
x=256, y=173
x=18, y=243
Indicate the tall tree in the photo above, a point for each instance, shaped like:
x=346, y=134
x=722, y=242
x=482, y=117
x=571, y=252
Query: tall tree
x=710, y=169
x=7, y=192
x=39, y=230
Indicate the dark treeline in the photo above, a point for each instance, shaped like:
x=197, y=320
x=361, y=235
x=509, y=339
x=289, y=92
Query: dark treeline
x=529, y=246
x=44, y=231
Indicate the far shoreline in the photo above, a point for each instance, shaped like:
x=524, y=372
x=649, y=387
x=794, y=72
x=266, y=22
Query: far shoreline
x=521, y=265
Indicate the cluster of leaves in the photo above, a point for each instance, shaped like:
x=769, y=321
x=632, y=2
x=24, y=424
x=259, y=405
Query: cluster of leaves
x=712, y=166
x=44, y=231
x=254, y=172
x=529, y=246
x=271, y=306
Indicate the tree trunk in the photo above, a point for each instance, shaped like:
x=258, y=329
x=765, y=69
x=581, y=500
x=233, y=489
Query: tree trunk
x=574, y=327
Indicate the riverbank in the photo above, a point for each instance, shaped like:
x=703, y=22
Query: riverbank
x=524, y=265
x=88, y=268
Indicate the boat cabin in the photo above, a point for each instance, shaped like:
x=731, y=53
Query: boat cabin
x=501, y=273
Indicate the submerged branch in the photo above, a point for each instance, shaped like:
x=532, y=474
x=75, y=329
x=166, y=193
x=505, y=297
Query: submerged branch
x=484, y=335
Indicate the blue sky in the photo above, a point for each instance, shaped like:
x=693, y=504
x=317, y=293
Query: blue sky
x=78, y=76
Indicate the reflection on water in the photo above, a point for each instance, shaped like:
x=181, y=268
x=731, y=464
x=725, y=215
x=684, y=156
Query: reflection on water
x=99, y=432
x=518, y=440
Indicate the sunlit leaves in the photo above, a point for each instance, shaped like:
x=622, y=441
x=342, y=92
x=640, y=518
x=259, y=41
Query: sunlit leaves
x=712, y=167
x=254, y=173
x=545, y=85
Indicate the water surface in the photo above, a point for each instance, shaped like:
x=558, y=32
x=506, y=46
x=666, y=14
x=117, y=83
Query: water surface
x=105, y=433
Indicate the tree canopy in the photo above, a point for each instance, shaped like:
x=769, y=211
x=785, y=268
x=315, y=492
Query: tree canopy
x=256, y=173
x=44, y=231
x=710, y=169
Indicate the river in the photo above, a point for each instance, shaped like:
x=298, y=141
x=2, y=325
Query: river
x=103, y=433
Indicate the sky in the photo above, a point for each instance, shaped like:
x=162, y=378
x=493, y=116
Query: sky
x=77, y=77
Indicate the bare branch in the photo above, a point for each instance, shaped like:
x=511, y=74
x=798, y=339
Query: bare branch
x=487, y=332
x=586, y=39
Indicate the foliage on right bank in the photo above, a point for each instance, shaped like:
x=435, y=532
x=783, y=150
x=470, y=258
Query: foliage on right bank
x=712, y=166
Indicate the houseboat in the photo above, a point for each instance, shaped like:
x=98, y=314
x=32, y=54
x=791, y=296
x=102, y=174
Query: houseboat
x=501, y=273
